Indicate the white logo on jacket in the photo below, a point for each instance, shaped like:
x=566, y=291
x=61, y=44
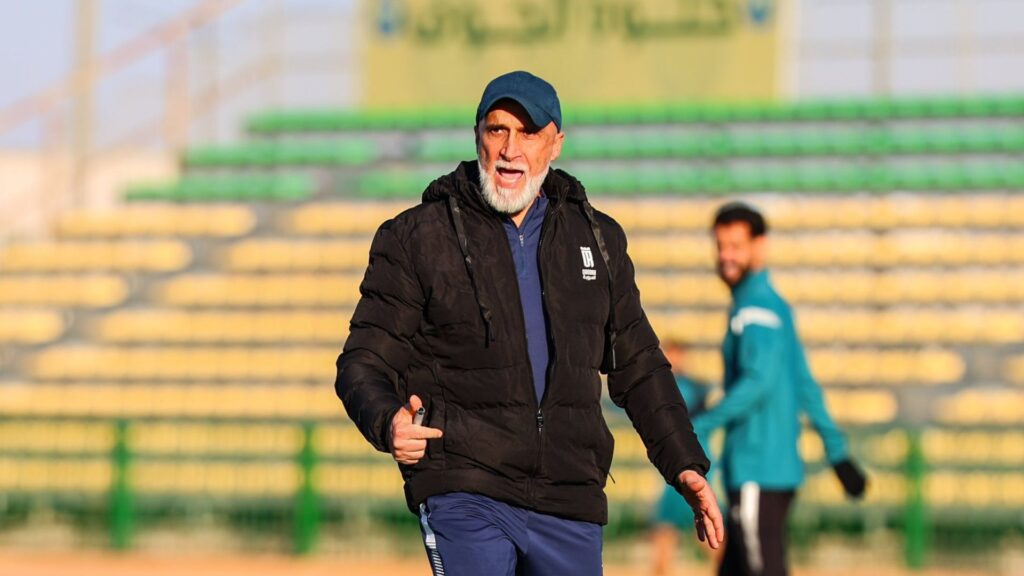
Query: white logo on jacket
x=754, y=315
x=589, y=273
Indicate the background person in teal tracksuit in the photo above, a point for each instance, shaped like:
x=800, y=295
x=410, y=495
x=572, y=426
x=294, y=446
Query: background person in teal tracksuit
x=767, y=386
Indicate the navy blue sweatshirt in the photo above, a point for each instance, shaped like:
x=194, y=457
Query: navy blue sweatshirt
x=524, y=242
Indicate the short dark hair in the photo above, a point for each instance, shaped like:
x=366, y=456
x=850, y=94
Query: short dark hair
x=742, y=212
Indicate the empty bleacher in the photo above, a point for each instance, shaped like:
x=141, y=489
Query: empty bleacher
x=209, y=311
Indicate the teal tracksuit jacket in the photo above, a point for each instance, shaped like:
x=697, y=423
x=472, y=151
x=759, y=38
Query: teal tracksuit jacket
x=768, y=385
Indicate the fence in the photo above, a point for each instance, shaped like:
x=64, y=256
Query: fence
x=304, y=487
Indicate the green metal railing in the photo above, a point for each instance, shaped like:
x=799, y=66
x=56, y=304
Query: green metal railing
x=307, y=501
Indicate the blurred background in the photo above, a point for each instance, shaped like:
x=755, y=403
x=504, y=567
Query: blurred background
x=188, y=189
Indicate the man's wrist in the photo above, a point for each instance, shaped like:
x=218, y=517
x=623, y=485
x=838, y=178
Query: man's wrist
x=679, y=484
x=389, y=426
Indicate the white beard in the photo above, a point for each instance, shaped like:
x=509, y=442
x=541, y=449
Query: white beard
x=508, y=200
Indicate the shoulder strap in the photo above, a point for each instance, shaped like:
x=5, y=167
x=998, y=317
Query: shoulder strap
x=460, y=232
x=595, y=229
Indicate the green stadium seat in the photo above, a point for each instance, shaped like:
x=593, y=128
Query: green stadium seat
x=842, y=110
x=226, y=188
x=268, y=154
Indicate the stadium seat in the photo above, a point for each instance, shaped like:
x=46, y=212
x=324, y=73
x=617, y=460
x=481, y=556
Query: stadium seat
x=342, y=440
x=68, y=256
x=297, y=255
x=155, y=220
x=321, y=121
x=169, y=399
x=89, y=362
x=888, y=489
x=151, y=326
x=359, y=480
x=198, y=477
x=212, y=438
x=862, y=406
x=966, y=447
x=992, y=406
x=246, y=188
x=26, y=326
x=339, y=218
x=54, y=436
x=973, y=490
x=879, y=446
x=80, y=475
x=71, y=291
x=719, y=181
x=645, y=144
x=851, y=366
x=348, y=152
x=259, y=290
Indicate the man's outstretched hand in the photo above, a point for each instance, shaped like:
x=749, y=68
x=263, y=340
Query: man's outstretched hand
x=706, y=515
x=408, y=440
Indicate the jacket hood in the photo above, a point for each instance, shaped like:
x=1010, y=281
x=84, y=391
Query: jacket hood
x=464, y=184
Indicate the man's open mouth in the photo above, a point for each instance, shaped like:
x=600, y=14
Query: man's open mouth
x=510, y=175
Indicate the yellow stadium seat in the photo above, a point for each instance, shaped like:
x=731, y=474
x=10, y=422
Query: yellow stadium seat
x=30, y=326
x=204, y=478
x=170, y=326
x=974, y=447
x=1014, y=370
x=86, y=291
x=78, y=475
x=887, y=488
x=359, y=480
x=297, y=255
x=334, y=440
x=200, y=399
x=169, y=363
x=888, y=447
x=862, y=406
x=854, y=366
x=971, y=490
x=669, y=288
x=672, y=251
x=844, y=249
x=339, y=218
x=67, y=256
x=982, y=406
x=65, y=437
x=225, y=221
x=216, y=438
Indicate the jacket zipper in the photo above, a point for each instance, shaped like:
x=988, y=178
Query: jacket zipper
x=539, y=417
x=544, y=301
x=553, y=355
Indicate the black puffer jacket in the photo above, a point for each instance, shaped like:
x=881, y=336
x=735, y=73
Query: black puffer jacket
x=444, y=322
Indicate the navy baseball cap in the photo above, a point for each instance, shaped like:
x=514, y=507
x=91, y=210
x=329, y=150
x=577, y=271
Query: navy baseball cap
x=535, y=95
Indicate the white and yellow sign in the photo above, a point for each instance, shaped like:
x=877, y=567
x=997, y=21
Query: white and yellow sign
x=443, y=52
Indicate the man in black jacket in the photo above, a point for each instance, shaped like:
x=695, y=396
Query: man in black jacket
x=474, y=356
